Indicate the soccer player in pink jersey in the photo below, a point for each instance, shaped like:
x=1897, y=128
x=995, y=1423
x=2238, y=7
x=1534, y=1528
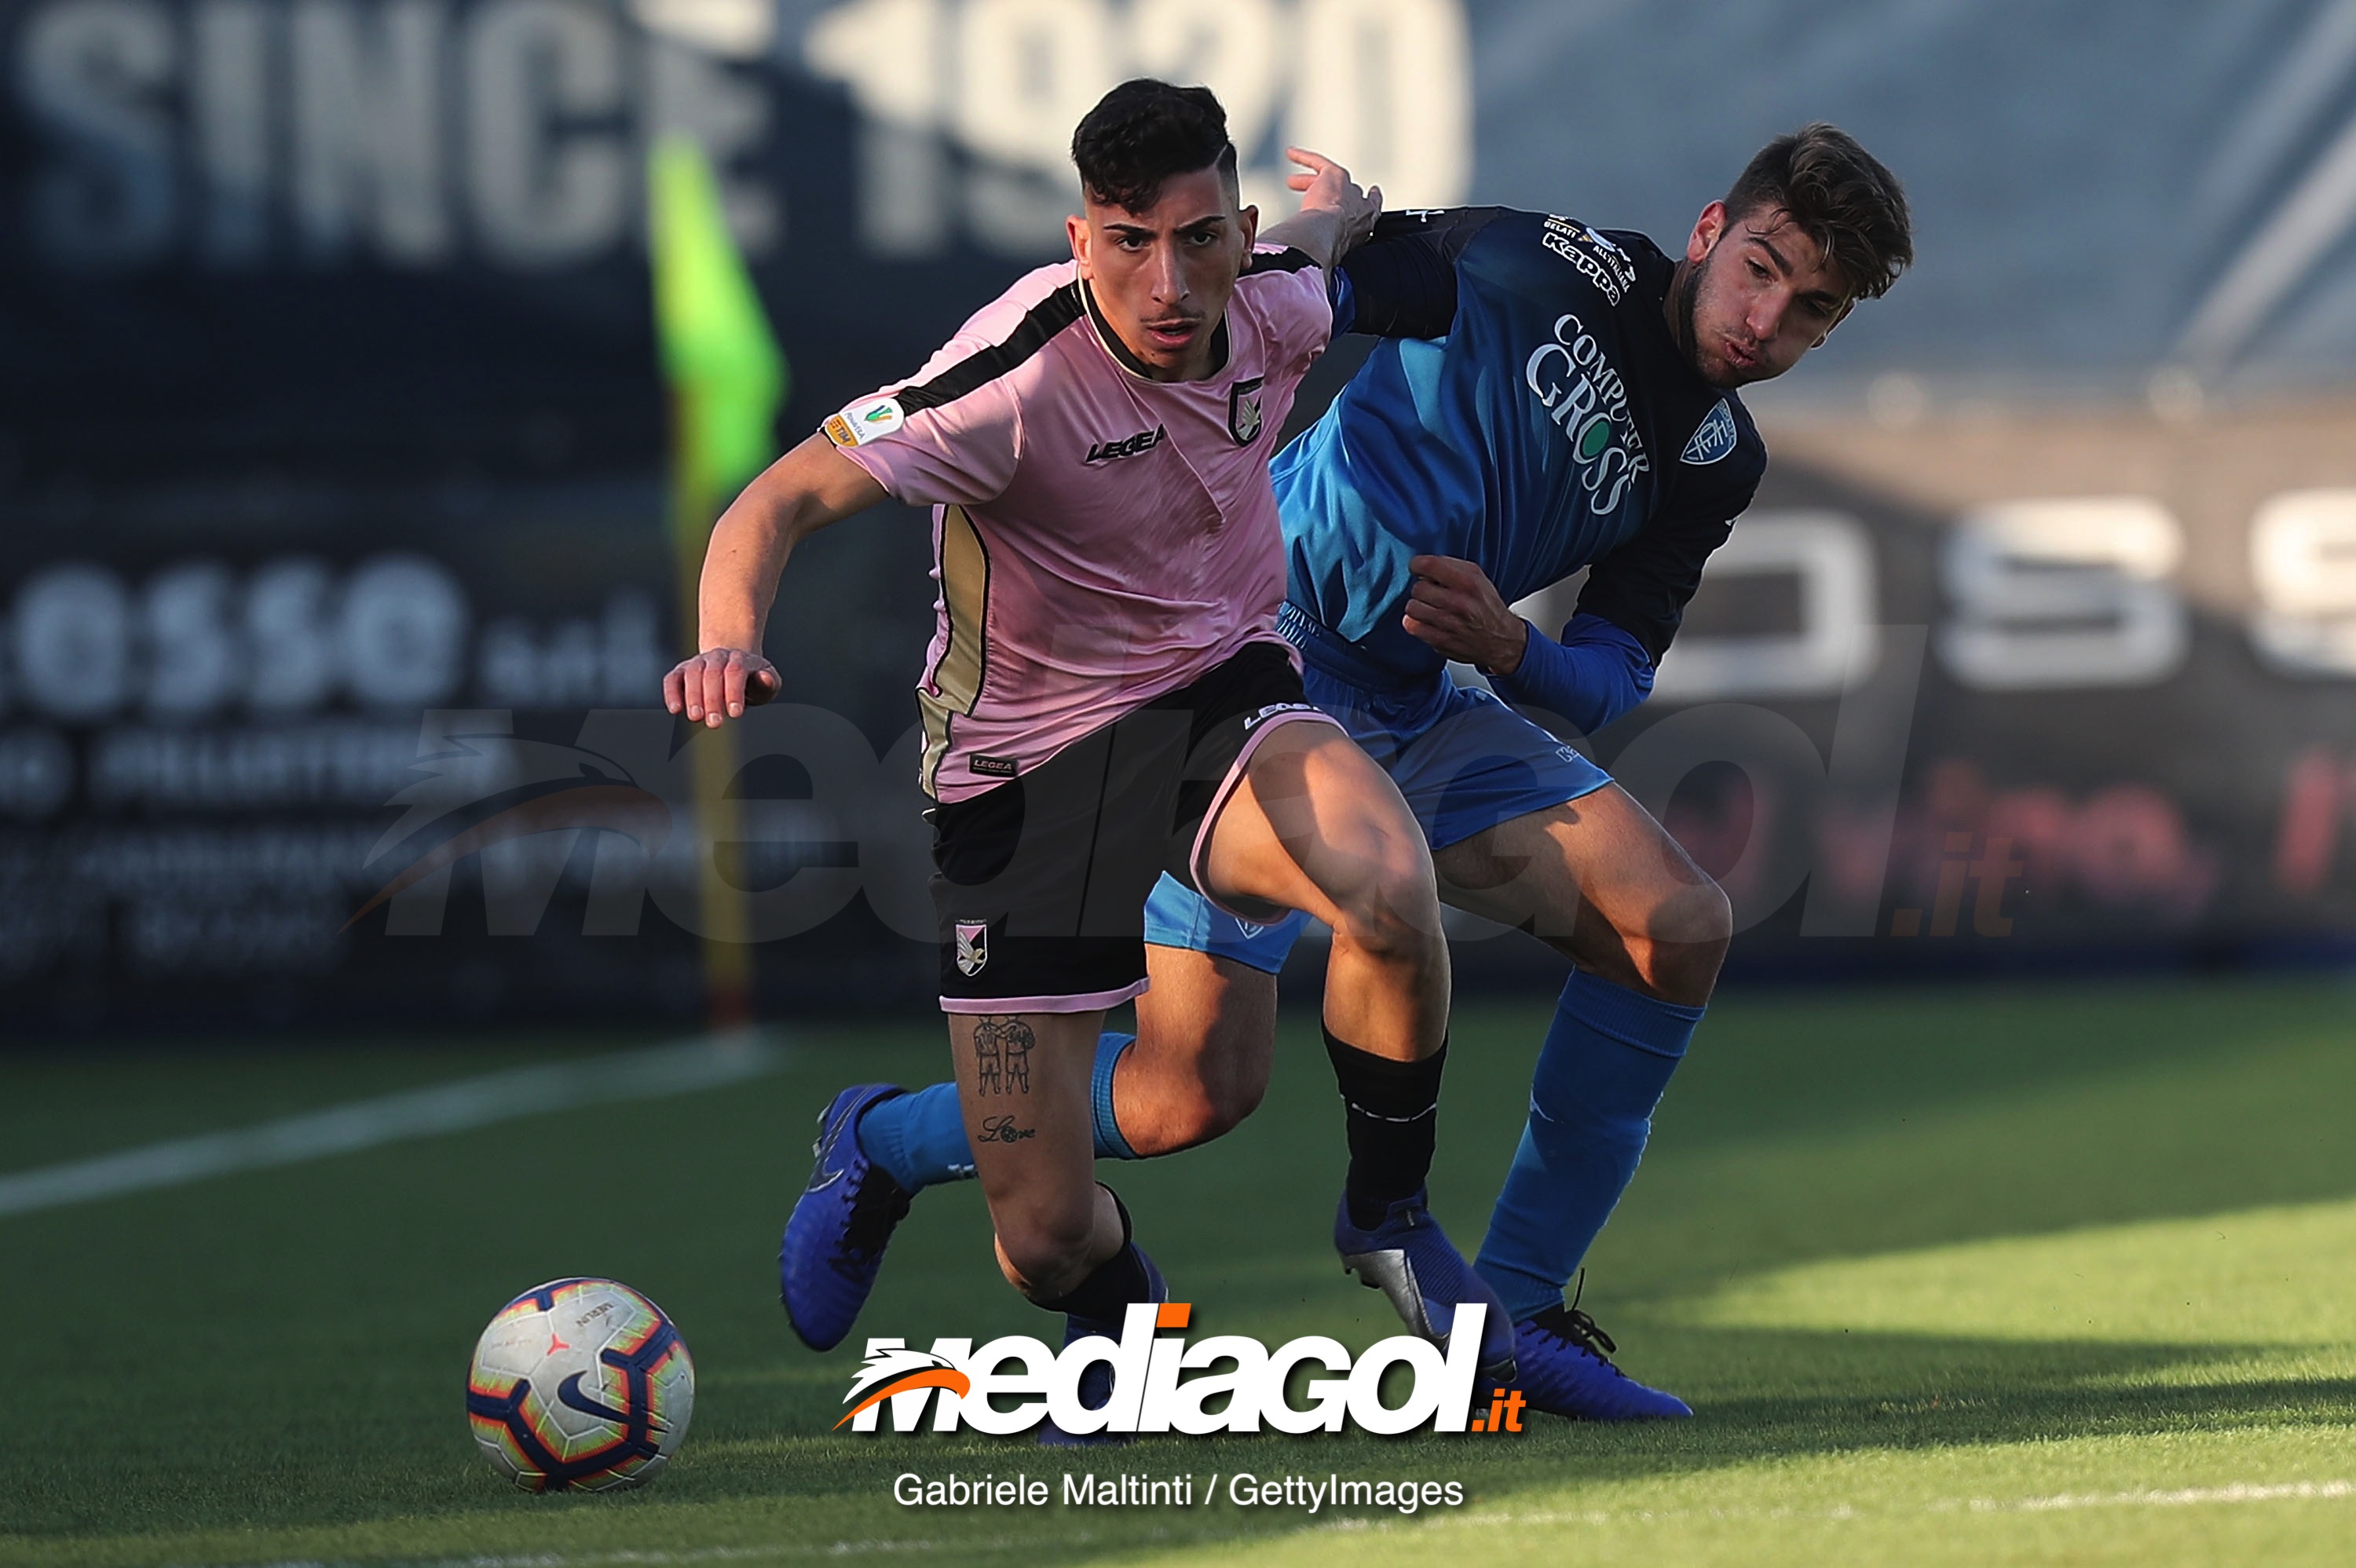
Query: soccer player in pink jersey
x=1107, y=697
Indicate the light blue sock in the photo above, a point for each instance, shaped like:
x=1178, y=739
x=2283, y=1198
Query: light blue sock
x=1606, y=1060
x=919, y=1137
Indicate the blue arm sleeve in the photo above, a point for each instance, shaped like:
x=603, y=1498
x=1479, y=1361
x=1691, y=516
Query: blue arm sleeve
x=1598, y=672
x=1402, y=282
x=1345, y=304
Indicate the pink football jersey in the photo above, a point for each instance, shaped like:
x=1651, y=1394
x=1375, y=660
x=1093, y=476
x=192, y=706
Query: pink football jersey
x=1099, y=538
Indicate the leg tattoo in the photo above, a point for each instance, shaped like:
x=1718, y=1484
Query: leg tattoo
x=1001, y=1056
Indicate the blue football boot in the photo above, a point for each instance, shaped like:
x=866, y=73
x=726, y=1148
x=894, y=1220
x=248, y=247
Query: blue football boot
x=1095, y=1383
x=834, y=1242
x=1564, y=1368
x=1408, y=1259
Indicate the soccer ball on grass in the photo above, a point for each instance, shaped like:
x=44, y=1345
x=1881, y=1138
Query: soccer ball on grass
x=579, y=1383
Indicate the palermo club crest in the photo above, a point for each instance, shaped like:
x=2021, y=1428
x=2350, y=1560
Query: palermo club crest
x=972, y=946
x=1243, y=410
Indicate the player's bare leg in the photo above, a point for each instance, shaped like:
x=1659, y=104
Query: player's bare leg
x=1316, y=827
x=1604, y=885
x=1597, y=878
x=1601, y=882
x=1205, y=1040
x=1022, y=1081
x=1061, y=1240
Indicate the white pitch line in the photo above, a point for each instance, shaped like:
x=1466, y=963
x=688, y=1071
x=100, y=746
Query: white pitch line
x=706, y=1062
x=659, y=1558
x=2189, y=1497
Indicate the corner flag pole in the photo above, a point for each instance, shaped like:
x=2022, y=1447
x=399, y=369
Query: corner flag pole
x=727, y=378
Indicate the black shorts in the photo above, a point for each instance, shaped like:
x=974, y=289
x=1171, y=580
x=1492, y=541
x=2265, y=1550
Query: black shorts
x=1040, y=883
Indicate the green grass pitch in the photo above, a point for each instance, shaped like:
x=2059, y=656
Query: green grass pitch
x=1974, y=1274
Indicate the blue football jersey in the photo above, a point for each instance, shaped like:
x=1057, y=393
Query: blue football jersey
x=1529, y=411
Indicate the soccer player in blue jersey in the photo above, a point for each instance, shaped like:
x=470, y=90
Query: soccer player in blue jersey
x=1548, y=397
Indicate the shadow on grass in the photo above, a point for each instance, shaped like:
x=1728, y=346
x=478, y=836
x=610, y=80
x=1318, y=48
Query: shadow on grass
x=1905, y=1392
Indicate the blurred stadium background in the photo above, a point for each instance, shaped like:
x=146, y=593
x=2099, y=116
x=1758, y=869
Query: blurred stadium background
x=335, y=427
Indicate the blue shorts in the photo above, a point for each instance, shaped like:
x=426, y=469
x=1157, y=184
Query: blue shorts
x=1464, y=761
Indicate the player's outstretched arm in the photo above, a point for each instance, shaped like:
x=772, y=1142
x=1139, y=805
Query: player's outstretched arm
x=1334, y=215
x=807, y=489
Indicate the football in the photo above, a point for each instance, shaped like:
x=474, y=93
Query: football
x=580, y=1384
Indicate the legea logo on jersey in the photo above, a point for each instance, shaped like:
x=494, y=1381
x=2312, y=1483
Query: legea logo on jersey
x=1712, y=438
x=1163, y=1383
x=1588, y=400
x=1144, y=440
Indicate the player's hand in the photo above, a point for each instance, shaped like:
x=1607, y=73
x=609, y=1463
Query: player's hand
x=1456, y=609
x=718, y=684
x=1327, y=186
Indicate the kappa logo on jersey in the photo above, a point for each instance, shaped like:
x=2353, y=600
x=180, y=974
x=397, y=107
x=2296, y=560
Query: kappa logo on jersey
x=1713, y=439
x=1587, y=400
x=1161, y=1383
x=863, y=422
x=1605, y=264
x=972, y=946
x=1243, y=410
x=1143, y=441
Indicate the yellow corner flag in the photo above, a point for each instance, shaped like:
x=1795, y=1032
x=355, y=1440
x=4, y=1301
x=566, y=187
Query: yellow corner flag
x=726, y=374
x=727, y=377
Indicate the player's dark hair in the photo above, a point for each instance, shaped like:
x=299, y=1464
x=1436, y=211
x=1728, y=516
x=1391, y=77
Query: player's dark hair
x=1142, y=132
x=1841, y=196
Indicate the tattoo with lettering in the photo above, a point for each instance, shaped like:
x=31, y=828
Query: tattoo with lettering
x=1002, y=1130
x=1001, y=1056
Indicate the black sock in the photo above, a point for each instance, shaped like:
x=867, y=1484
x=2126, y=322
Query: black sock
x=1113, y=1285
x=1393, y=1113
